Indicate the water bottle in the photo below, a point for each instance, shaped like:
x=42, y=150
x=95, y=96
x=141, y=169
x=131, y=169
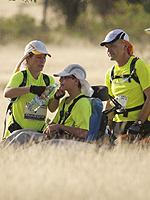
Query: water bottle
x=36, y=103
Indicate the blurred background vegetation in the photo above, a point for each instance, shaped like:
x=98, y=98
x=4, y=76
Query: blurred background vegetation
x=89, y=20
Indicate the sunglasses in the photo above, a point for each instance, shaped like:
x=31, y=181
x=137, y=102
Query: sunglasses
x=67, y=77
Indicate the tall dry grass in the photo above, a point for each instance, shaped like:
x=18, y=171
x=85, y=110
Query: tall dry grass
x=80, y=172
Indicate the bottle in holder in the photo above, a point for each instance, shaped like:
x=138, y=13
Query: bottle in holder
x=36, y=103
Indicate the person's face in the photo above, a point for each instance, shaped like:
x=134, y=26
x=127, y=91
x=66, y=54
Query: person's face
x=115, y=50
x=68, y=82
x=37, y=62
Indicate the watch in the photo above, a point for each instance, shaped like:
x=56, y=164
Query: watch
x=139, y=122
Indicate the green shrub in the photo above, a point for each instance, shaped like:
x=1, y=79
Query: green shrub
x=18, y=27
x=90, y=26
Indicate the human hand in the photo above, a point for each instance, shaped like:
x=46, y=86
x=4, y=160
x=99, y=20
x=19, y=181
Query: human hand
x=51, y=129
x=59, y=94
x=37, y=89
x=134, y=129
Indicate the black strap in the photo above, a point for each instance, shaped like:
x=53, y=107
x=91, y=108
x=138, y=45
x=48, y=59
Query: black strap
x=132, y=66
x=24, y=78
x=69, y=109
x=46, y=79
x=126, y=111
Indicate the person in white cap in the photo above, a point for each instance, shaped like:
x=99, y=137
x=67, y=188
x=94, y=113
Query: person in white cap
x=74, y=123
x=128, y=81
x=35, y=58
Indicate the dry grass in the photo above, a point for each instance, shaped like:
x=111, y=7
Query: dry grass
x=78, y=173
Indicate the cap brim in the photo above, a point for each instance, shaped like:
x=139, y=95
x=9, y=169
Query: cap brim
x=107, y=42
x=103, y=43
x=62, y=74
x=38, y=53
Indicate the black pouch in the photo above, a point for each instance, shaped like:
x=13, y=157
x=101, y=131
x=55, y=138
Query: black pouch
x=146, y=127
x=14, y=127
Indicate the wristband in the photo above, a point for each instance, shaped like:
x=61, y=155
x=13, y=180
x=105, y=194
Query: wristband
x=37, y=89
x=58, y=97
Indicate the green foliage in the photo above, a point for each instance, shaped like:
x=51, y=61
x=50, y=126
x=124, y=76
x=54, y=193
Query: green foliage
x=19, y=27
x=27, y=1
x=88, y=24
x=131, y=18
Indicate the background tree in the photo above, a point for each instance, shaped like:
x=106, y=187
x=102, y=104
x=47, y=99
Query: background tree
x=104, y=7
x=71, y=9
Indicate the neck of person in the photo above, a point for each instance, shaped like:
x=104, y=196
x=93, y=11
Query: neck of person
x=34, y=73
x=73, y=94
x=122, y=61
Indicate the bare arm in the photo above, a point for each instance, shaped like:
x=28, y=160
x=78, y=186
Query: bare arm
x=110, y=115
x=51, y=129
x=54, y=103
x=12, y=92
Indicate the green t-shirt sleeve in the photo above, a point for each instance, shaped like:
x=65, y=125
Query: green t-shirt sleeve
x=82, y=113
x=15, y=80
x=143, y=73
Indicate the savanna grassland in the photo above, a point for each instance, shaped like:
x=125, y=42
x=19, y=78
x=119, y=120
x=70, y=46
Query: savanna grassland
x=80, y=172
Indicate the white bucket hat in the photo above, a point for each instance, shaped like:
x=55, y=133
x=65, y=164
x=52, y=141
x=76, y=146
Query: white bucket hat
x=36, y=47
x=114, y=36
x=80, y=73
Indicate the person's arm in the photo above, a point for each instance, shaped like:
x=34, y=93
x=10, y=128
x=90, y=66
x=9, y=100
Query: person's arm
x=12, y=92
x=135, y=128
x=145, y=112
x=52, y=129
x=110, y=115
x=54, y=103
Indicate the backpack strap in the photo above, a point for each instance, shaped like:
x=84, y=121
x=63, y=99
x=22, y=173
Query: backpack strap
x=129, y=76
x=46, y=79
x=132, y=66
x=69, y=109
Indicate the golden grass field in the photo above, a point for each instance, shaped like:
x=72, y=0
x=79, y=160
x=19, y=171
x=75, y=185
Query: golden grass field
x=78, y=173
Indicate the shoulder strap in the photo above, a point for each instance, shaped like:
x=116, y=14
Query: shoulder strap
x=112, y=73
x=46, y=79
x=132, y=66
x=69, y=109
x=24, y=78
x=133, y=75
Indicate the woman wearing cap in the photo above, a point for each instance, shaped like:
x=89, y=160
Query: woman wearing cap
x=127, y=86
x=72, y=79
x=35, y=57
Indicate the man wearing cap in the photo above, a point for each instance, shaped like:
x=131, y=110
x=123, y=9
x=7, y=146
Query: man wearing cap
x=72, y=79
x=35, y=58
x=122, y=85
